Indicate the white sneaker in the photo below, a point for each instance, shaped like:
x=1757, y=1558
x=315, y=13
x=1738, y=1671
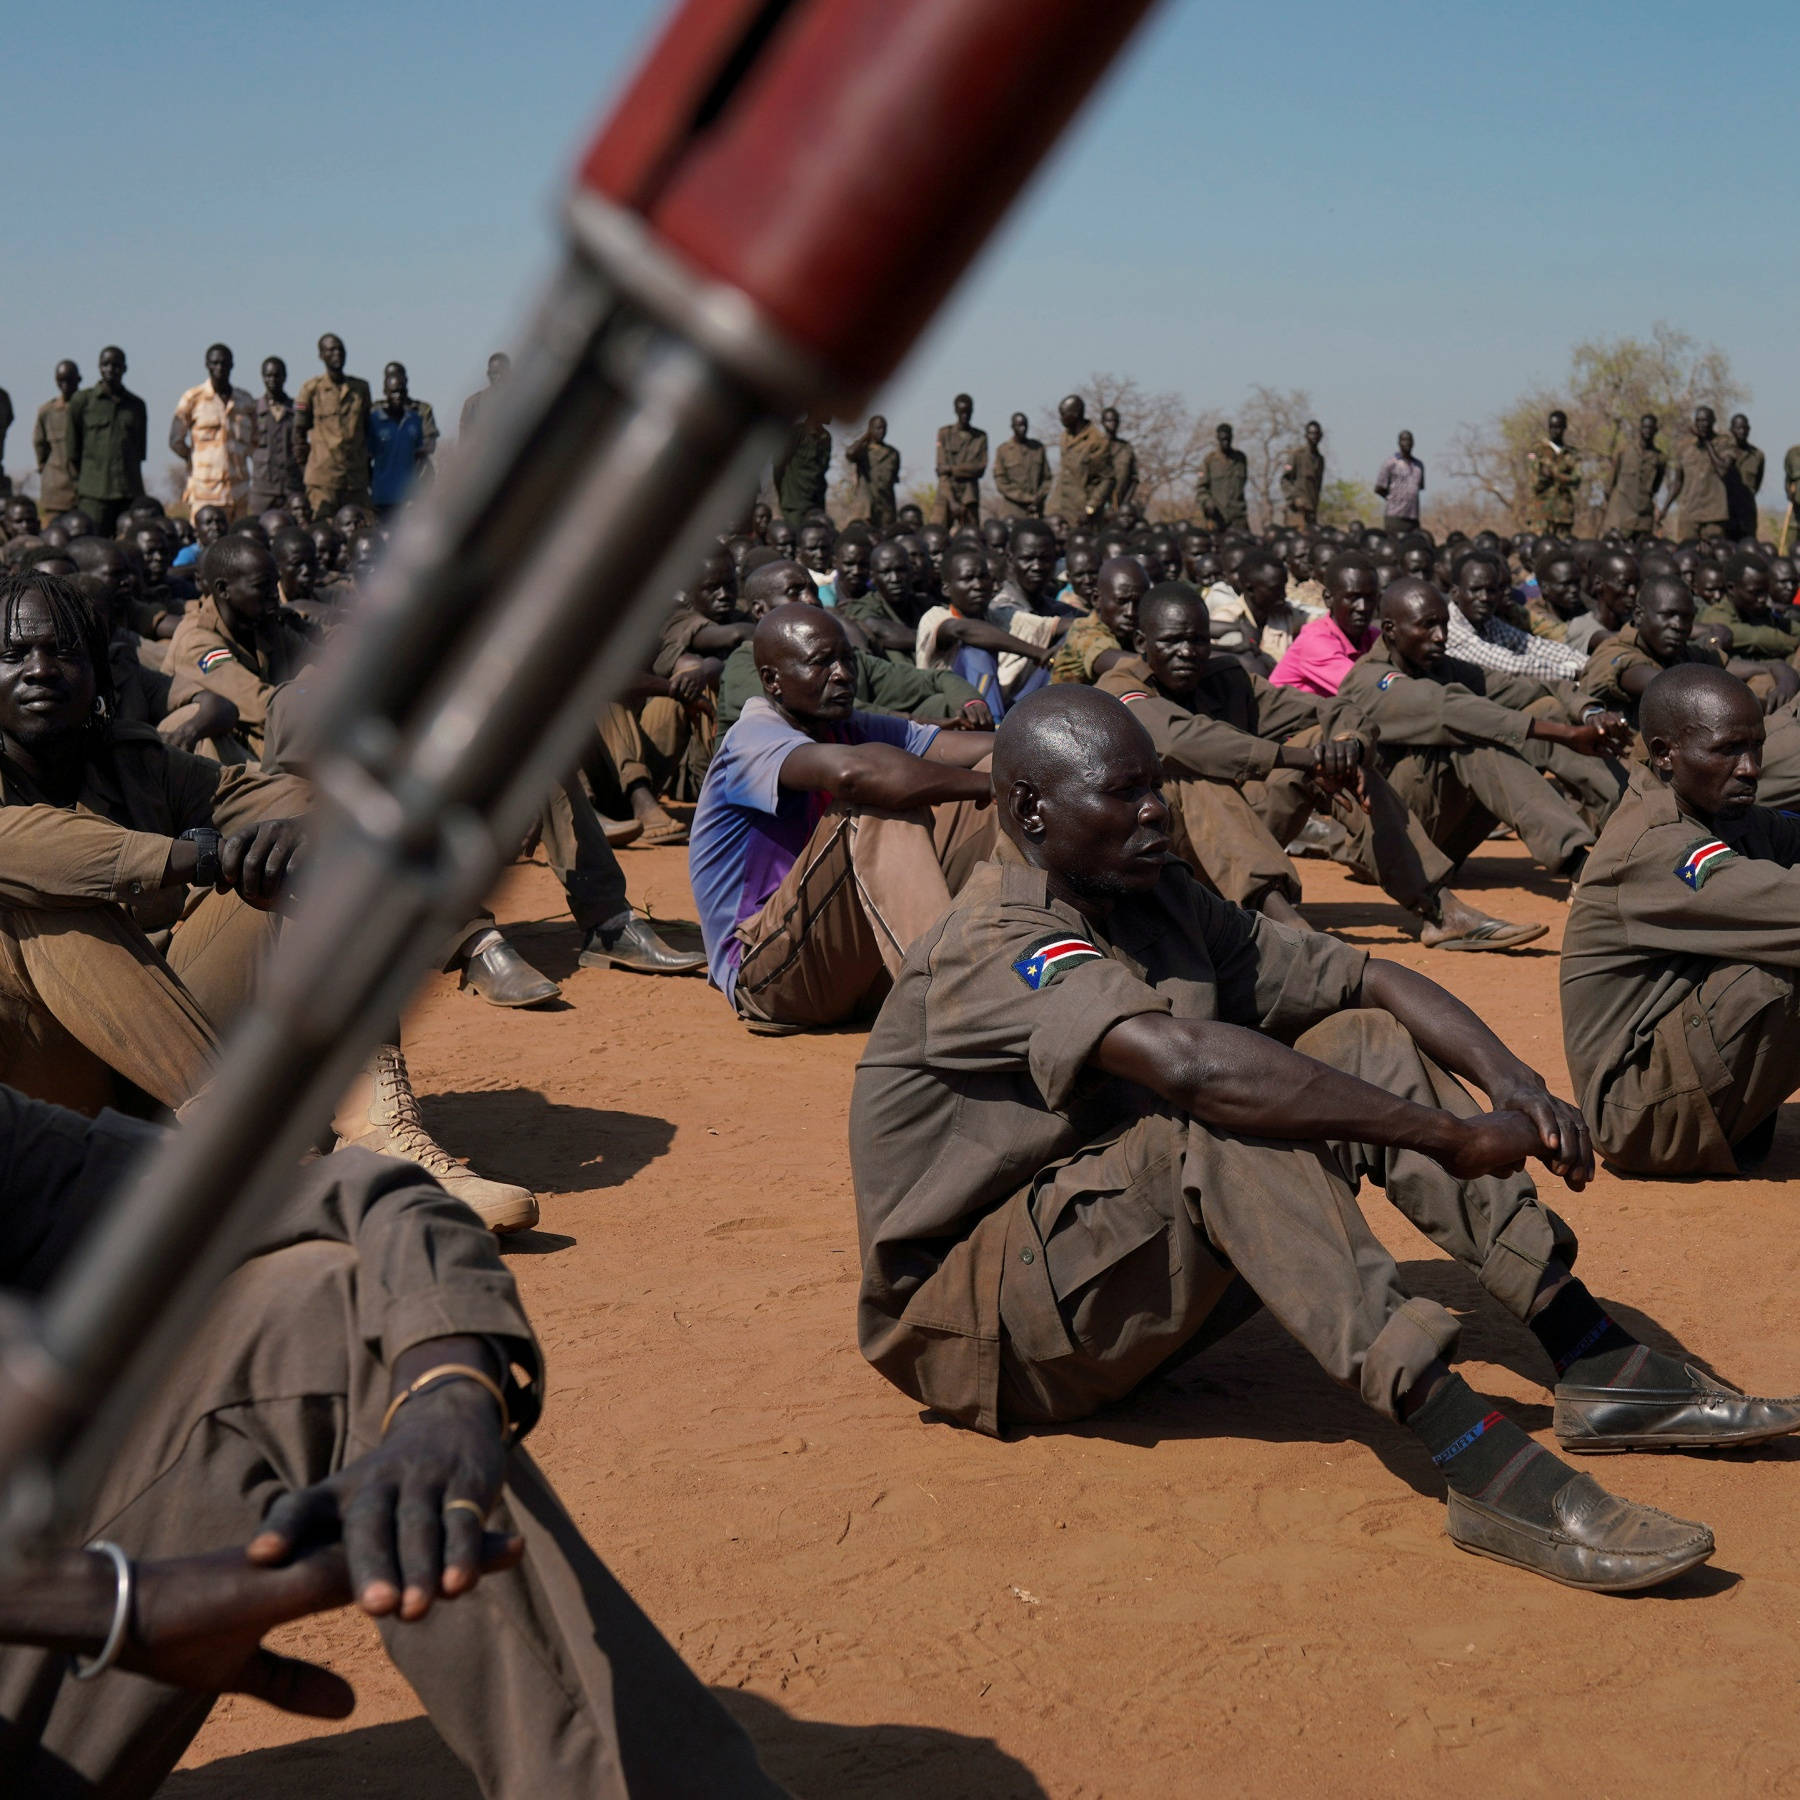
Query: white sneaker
x=381, y=1113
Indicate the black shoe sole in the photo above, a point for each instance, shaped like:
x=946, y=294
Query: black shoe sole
x=1614, y=1446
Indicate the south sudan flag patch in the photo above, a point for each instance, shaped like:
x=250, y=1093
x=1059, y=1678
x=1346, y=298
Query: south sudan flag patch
x=210, y=659
x=1052, y=957
x=1703, y=860
x=1388, y=680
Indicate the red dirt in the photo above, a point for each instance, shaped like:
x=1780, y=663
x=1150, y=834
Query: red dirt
x=1236, y=1582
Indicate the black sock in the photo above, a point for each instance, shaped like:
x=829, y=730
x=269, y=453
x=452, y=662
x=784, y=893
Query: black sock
x=1577, y=1336
x=1482, y=1453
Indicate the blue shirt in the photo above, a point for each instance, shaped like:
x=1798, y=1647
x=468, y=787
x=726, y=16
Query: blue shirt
x=748, y=830
x=393, y=453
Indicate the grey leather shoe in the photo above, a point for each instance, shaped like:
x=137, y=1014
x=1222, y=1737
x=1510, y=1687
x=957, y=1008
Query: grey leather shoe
x=1706, y=1415
x=1594, y=1539
x=502, y=977
x=635, y=945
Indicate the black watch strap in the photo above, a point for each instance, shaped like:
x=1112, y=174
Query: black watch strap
x=206, y=843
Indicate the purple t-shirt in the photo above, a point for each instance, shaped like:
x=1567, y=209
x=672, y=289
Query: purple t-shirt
x=748, y=830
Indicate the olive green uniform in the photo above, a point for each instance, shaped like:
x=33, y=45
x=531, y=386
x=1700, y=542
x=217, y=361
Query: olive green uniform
x=1631, y=500
x=246, y=667
x=1302, y=482
x=335, y=418
x=1037, y=1241
x=1021, y=478
x=877, y=473
x=962, y=456
x=1224, y=740
x=1747, y=637
x=1457, y=758
x=800, y=475
x=1224, y=476
x=50, y=445
x=1681, y=982
x=1554, y=476
x=1125, y=472
x=932, y=696
x=1084, y=475
x=1705, y=506
x=1742, y=485
x=108, y=437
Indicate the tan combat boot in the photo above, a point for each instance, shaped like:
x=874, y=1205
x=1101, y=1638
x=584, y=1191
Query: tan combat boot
x=381, y=1113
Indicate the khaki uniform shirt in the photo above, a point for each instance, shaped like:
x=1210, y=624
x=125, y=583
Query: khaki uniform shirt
x=1220, y=491
x=112, y=845
x=1703, y=497
x=337, y=450
x=1125, y=472
x=1748, y=639
x=1084, y=476
x=962, y=457
x=1086, y=639
x=872, y=494
x=1600, y=682
x=1631, y=502
x=1742, y=486
x=1303, y=478
x=221, y=433
x=206, y=653
x=976, y=1080
x=50, y=445
x=1022, y=473
x=274, y=469
x=1453, y=706
x=1233, y=726
x=108, y=439
x=1663, y=901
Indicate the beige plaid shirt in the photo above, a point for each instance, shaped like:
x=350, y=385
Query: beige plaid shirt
x=221, y=433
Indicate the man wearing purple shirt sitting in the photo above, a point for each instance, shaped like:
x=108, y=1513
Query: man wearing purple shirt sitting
x=826, y=840
x=1322, y=654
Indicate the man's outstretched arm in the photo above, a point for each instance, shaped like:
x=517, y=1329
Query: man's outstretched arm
x=881, y=776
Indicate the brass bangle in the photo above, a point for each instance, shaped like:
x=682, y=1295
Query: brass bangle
x=458, y=1371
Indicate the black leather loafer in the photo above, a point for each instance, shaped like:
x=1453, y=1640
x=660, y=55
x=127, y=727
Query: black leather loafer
x=635, y=945
x=502, y=977
x=1704, y=1416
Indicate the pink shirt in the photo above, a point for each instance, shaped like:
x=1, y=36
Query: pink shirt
x=1320, y=657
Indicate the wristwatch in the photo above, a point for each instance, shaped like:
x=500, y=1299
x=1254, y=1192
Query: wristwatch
x=206, y=843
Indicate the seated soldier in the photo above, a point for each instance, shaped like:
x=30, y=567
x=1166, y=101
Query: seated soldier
x=136, y=893
x=1320, y=656
x=1083, y=1148
x=1081, y=573
x=826, y=839
x=1002, y=651
x=1095, y=643
x=1478, y=635
x=1661, y=636
x=887, y=614
x=339, y=1429
x=1456, y=758
x=931, y=696
x=1612, y=594
x=1737, y=597
x=1249, y=763
x=1681, y=958
x=297, y=568
x=1252, y=617
x=1029, y=584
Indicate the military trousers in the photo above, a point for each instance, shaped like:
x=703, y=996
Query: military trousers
x=1596, y=784
x=546, y=1680
x=1459, y=795
x=85, y=997
x=864, y=889
x=1714, y=1070
x=105, y=512
x=1140, y=1249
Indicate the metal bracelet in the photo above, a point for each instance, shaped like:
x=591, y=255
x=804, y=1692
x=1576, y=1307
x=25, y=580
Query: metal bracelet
x=125, y=1572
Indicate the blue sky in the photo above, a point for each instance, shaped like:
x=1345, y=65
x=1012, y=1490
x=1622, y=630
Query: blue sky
x=1410, y=210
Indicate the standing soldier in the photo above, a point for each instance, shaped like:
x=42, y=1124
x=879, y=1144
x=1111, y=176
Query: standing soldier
x=331, y=427
x=276, y=474
x=800, y=474
x=109, y=432
x=1790, y=480
x=50, y=444
x=1553, y=471
x=6, y=419
x=1124, y=460
x=1022, y=472
x=1744, y=481
x=213, y=432
x=962, y=456
x=1637, y=472
x=1084, y=476
x=1224, y=476
x=877, y=466
x=1700, y=471
x=1303, y=478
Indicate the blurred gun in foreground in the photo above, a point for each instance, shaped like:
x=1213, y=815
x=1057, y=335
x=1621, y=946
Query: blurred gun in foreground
x=772, y=213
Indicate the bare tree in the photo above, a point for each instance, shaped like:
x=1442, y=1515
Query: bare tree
x=1268, y=425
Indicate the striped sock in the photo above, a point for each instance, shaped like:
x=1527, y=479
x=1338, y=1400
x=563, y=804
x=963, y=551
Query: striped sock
x=1483, y=1454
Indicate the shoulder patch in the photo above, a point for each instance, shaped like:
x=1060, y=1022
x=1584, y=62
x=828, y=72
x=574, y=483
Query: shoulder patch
x=1135, y=694
x=1388, y=680
x=1053, y=956
x=210, y=659
x=1703, y=860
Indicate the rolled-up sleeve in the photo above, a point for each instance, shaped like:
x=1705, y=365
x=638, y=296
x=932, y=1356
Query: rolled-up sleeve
x=50, y=857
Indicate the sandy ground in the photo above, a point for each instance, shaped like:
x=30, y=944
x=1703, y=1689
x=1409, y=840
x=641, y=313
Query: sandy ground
x=1236, y=1582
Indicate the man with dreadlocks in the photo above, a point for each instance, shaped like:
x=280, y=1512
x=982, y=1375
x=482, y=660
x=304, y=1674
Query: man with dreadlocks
x=137, y=893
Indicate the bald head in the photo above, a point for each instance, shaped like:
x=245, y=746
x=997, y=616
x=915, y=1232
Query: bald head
x=1407, y=596
x=805, y=663
x=1689, y=697
x=778, y=581
x=1704, y=732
